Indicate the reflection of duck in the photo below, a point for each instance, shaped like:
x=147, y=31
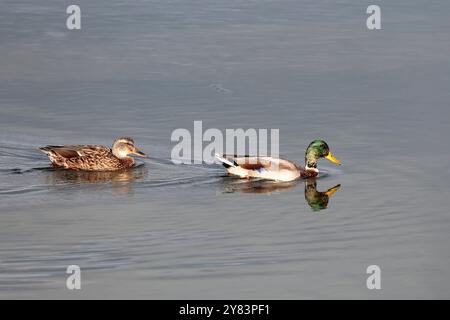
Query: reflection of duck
x=94, y=158
x=278, y=169
x=318, y=200
x=120, y=180
x=256, y=186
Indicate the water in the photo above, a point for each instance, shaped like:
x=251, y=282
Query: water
x=144, y=68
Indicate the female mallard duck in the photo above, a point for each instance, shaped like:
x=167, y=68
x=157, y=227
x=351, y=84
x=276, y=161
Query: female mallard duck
x=278, y=169
x=94, y=158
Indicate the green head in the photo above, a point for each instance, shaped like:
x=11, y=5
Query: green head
x=316, y=150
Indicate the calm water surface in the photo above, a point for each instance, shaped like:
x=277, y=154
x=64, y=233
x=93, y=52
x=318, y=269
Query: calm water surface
x=144, y=68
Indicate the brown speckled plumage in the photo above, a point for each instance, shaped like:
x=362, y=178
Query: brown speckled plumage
x=93, y=157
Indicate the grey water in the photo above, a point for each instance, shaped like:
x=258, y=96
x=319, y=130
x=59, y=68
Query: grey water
x=145, y=68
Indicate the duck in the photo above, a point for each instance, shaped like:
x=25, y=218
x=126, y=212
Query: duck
x=277, y=169
x=94, y=157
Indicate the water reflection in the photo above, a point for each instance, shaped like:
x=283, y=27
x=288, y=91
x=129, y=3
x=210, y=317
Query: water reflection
x=120, y=181
x=231, y=185
x=317, y=200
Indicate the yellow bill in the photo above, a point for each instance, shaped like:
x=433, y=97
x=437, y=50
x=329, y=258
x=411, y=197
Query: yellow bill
x=331, y=191
x=333, y=159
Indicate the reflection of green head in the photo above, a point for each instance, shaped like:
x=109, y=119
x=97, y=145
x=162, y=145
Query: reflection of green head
x=316, y=149
x=319, y=205
x=318, y=200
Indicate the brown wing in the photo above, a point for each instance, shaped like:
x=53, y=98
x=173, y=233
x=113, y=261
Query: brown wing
x=256, y=163
x=74, y=151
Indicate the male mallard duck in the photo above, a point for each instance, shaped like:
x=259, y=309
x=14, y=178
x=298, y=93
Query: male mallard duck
x=94, y=158
x=278, y=169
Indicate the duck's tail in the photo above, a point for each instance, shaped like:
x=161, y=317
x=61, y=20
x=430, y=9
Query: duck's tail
x=54, y=158
x=225, y=162
x=47, y=150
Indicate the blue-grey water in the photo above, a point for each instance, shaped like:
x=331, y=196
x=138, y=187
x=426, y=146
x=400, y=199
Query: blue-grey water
x=144, y=68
